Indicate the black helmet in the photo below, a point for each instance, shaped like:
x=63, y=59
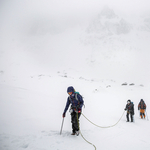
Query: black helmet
x=129, y=101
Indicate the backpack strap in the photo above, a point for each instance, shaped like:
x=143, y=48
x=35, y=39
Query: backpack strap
x=76, y=97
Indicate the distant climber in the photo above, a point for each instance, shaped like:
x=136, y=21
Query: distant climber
x=142, y=108
x=130, y=110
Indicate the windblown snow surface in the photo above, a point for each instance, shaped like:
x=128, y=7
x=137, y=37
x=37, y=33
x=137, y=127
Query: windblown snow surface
x=103, y=51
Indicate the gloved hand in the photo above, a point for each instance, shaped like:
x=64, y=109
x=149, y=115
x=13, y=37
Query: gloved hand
x=63, y=115
x=79, y=110
x=125, y=109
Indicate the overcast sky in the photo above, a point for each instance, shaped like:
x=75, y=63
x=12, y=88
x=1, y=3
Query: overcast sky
x=28, y=24
x=64, y=10
x=73, y=6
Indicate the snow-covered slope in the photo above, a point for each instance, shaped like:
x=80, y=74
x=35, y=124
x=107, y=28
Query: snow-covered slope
x=120, y=44
x=101, y=51
x=31, y=117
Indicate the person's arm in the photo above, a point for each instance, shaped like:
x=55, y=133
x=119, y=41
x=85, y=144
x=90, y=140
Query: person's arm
x=126, y=108
x=66, y=108
x=139, y=106
x=67, y=105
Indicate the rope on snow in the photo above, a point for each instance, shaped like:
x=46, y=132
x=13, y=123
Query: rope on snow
x=107, y=126
x=97, y=126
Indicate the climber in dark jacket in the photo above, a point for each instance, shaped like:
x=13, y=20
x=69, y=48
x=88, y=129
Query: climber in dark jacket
x=76, y=101
x=142, y=107
x=130, y=110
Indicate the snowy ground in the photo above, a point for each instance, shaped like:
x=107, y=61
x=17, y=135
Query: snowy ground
x=30, y=118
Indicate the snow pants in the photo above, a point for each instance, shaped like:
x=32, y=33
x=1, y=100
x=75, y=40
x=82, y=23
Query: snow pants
x=142, y=113
x=131, y=116
x=75, y=121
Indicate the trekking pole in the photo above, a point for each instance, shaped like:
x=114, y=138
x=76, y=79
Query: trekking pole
x=146, y=115
x=62, y=126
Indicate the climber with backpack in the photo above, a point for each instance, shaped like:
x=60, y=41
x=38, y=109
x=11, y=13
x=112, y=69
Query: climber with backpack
x=142, y=108
x=76, y=101
x=130, y=110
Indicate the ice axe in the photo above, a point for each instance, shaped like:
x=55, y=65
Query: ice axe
x=62, y=126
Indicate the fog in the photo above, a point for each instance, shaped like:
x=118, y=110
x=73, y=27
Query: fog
x=53, y=35
x=61, y=11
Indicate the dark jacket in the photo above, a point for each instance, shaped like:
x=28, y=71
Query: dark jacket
x=141, y=105
x=130, y=108
x=75, y=104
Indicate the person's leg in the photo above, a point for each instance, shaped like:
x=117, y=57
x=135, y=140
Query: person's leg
x=73, y=122
x=141, y=114
x=131, y=115
x=144, y=113
x=76, y=122
x=127, y=117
